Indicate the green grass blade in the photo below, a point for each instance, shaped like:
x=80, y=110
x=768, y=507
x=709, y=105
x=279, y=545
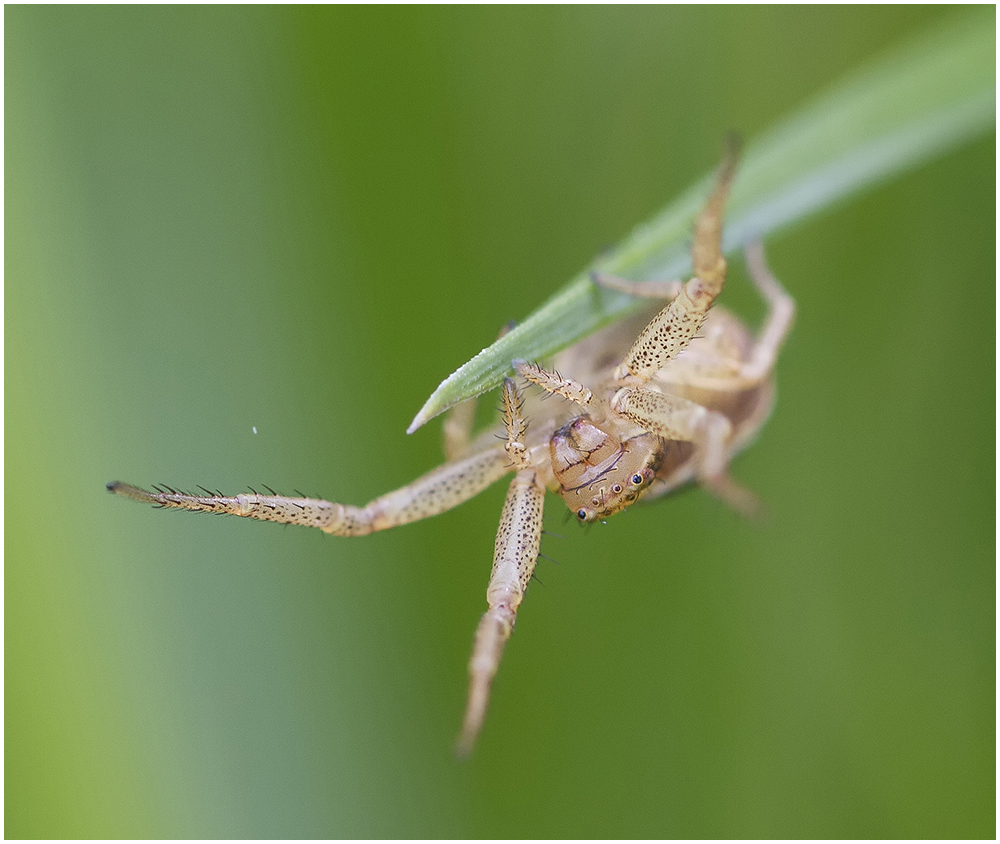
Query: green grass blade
x=927, y=96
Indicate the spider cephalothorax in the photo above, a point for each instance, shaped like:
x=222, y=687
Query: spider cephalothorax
x=667, y=403
x=598, y=473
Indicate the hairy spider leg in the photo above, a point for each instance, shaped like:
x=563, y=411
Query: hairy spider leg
x=553, y=382
x=439, y=490
x=460, y=419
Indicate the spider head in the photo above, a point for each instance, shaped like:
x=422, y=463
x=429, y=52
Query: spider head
x=598, y=473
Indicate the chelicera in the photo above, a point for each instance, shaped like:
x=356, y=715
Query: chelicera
x=648, y=405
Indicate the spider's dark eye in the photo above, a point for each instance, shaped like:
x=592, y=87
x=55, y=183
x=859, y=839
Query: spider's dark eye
x=637, y=479
x=582, y=514
x=617, y=488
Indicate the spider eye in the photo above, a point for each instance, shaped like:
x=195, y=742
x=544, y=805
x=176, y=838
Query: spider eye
x=616, y=489
x=637, y=479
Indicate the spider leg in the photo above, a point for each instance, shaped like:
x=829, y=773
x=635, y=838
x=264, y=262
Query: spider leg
x=780, y=314
x=639, y=289
x=515, y=552
x=676, y=418
x=515, y=425
x=673, y=328
x=439, y=490
x=457, y=429
x=459, y=421
x=553, y=382
x=670, y=417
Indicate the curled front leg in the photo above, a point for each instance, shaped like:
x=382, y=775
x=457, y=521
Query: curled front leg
x=514, y=556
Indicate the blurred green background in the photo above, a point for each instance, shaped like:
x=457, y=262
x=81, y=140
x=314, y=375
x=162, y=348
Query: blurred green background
x=300, y=221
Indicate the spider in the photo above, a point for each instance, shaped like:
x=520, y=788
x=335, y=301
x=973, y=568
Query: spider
x=674, y=405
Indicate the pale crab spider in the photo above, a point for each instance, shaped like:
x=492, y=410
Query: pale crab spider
x=651, y=420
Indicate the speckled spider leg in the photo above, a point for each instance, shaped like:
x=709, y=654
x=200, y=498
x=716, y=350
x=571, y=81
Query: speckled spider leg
x=672, y=329
x=437, y=491
x=676, y=418
x=514, y=555
x=777, y=323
